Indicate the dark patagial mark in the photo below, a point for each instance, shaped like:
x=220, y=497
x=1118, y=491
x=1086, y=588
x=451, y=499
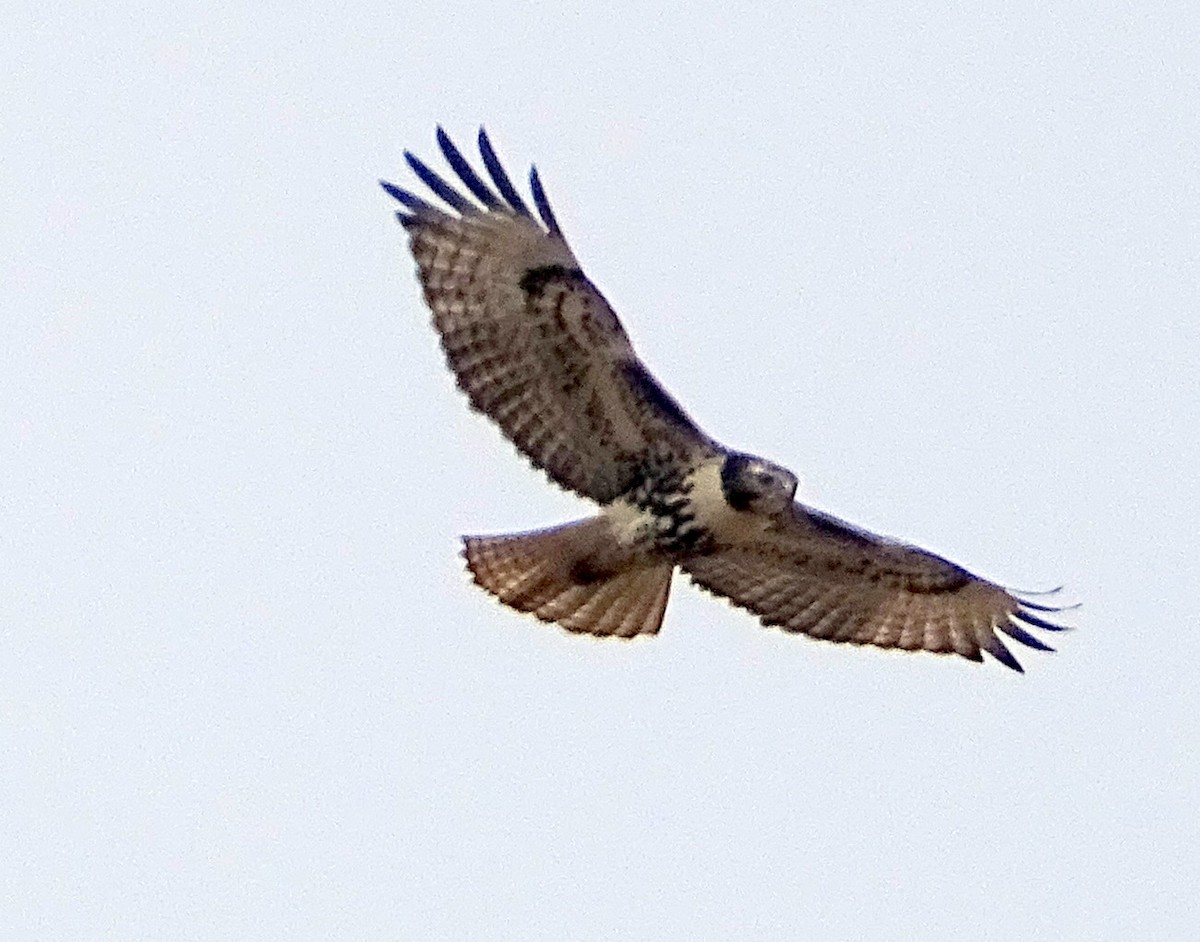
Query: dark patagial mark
x=832, y=526
x=535, y=280
x=953, y=580
x=650, y=392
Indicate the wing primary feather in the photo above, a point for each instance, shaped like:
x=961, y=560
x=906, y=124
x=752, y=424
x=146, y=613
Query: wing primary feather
x=405, y=198
x=466, y=172
x=1054, y=591
x=1038, y=607
x=1037, y=621
x=499, y=177
x=445, y=192
x=916, y=573
x=995, y=647
x=543, y=204
x=1017, y=633
x=656, y=397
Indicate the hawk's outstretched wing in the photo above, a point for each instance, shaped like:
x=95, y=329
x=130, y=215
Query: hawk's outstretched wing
x=531, y=340
x=815, y=574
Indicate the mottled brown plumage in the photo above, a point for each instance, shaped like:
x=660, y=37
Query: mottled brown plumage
x=535, y=347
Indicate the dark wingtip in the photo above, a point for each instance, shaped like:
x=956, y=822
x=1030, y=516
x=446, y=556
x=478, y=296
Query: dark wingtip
x=1017, y=633
x=1054, y=591
x=543, y=204
x=406, y=218
x=1039, y=607
x=499, y=177
x=414, y=205
x=445, y=192
x=1005, y=657
x=466, y=173
x=1037, y=621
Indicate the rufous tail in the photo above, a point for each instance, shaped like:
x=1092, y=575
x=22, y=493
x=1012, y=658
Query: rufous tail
x=572, y=575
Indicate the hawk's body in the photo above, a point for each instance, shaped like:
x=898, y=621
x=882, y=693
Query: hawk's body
x=537, y=348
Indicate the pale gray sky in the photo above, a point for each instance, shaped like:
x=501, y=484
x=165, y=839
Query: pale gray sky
x=942, y=263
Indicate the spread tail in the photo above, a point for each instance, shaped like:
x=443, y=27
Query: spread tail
x=574, y=575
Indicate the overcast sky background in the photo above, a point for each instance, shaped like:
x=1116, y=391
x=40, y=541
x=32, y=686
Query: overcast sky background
x=943, y=264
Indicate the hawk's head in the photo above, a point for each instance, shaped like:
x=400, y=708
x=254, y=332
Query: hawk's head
x=755, y=484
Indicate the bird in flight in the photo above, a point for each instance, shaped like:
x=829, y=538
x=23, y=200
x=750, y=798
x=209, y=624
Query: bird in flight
x=536, y=348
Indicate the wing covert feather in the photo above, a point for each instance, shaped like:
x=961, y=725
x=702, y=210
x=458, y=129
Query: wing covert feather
x=531, y=341
x=814, y=574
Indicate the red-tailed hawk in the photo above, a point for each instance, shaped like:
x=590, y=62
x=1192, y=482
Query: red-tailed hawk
x=535, y=347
